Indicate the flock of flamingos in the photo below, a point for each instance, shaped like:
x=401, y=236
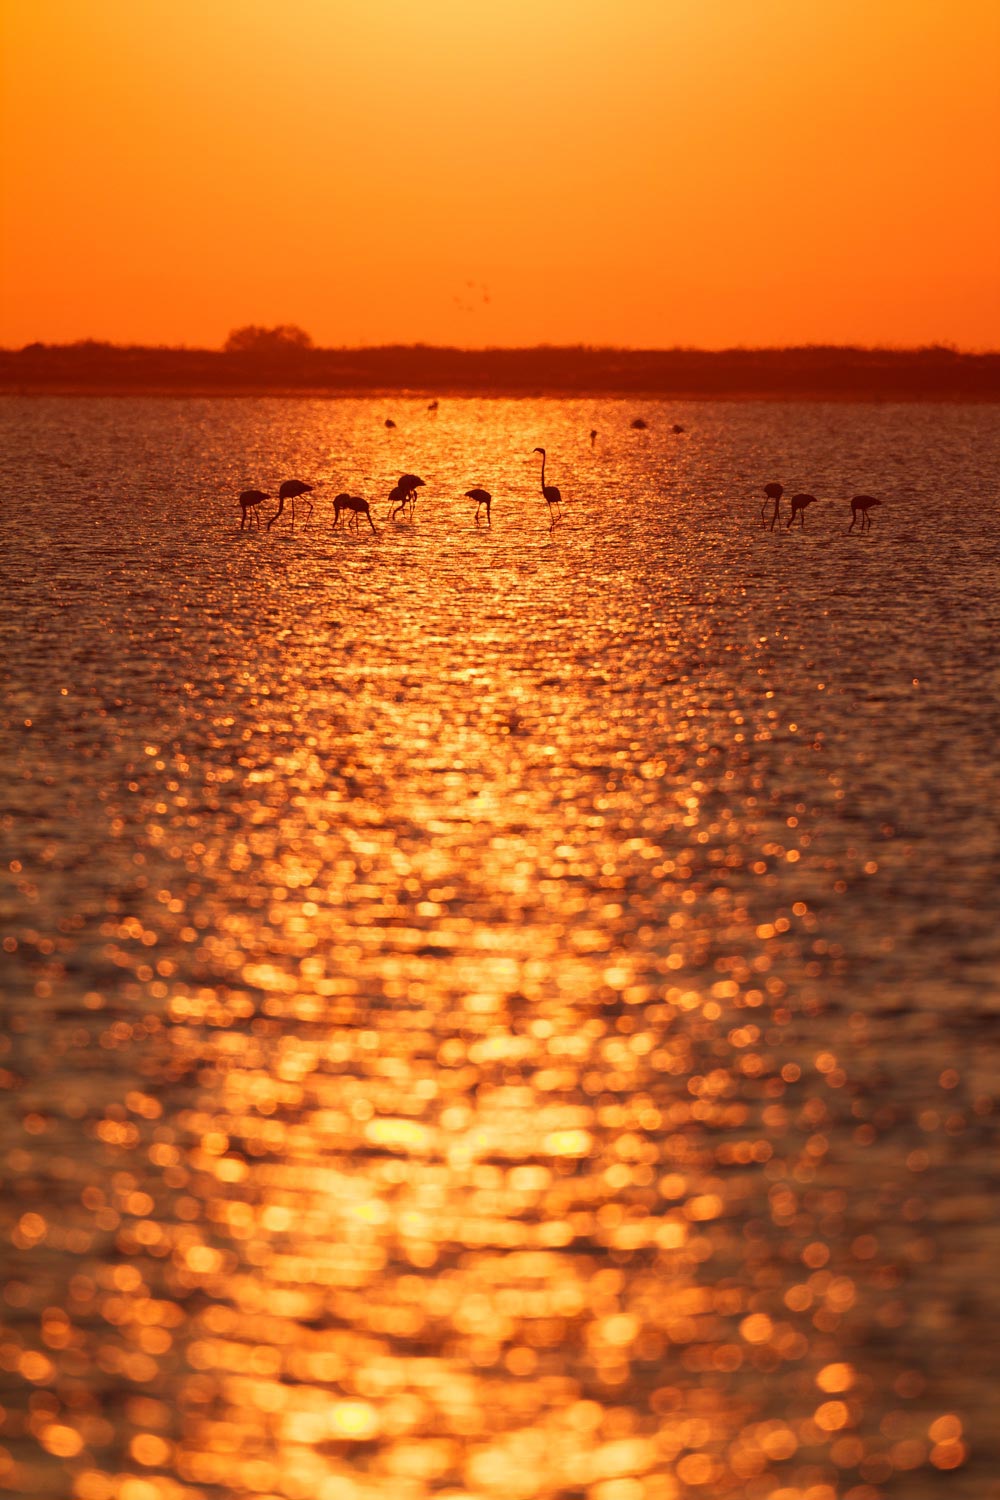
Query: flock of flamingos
x=403, y=501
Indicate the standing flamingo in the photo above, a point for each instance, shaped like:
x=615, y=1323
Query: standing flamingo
x=773, y=492
x=550, y=493
x=292, y=490
x=862, y=503
x=593, y=436
x=249, y=503
x=481, y=497
x=799, y=503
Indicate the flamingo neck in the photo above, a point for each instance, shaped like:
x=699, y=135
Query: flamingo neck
x=543, y=473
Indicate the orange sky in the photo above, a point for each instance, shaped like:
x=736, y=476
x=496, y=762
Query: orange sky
x=636, y=172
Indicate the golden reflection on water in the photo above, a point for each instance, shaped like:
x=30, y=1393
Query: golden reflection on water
x=455, y=1049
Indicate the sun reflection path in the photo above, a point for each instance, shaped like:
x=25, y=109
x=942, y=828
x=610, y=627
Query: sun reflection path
x=478, y=1070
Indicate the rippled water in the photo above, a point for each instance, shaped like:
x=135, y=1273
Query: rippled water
x=499, y=1013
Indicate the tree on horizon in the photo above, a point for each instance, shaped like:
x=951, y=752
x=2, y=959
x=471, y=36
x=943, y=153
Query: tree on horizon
x=282, y=339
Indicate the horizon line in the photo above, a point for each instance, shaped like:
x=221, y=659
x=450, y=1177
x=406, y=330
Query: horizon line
x=936, y=347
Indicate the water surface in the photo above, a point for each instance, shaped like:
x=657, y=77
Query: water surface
x=499, y=1013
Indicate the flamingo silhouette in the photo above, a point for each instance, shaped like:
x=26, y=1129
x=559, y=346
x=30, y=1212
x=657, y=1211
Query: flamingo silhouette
x=799, y=503
x=249, y=503
x=397, y=501
x=433, y=406
x=773, y=492
x=292, y=490
x=550, y=493
x=356, y=506
x=677, y=428
x=389, y=422
x=862, y=503
x=481, y=497
x=593, y=436
x=409, y=484
x=639, y=425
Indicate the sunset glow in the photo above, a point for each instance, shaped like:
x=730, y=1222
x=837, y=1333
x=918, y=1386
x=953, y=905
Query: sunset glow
x=504, y=172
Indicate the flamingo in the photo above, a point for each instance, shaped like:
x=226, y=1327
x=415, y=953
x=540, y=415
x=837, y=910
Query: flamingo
x=593, y=436
x=481, y=497
x=862, y=503
x=639, y=425
x=356, y=506
x=389, y=422
x=433, y=406
x=799, y=503
x=549, y=492
x=292, y=490
x=397, y=502
x=409, y=484
x=677, y=428
x=249, y=502
x=773, y=492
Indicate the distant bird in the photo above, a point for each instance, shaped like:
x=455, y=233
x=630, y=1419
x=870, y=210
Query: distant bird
x=677, y=428
x=799, y=503
x=389, y=422
x=481, y=497
x=292, y=490
x=356, y=506
x=249, y=503
x=549, y=492
x=773, y=492
x=864, y=504
x=433, y=406
x=639, y=425
x=593, y=436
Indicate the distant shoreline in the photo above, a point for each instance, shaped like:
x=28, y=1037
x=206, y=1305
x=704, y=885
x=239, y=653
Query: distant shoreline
x=297, y=393
x=834, y=374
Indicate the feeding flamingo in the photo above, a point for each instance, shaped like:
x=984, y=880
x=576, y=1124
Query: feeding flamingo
x=249, y=503
x=409, y=484
x=292, y=489
x=356, y=506
x=864, y=504
x=799, y=503
x=481, y=497
x=773, y=492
